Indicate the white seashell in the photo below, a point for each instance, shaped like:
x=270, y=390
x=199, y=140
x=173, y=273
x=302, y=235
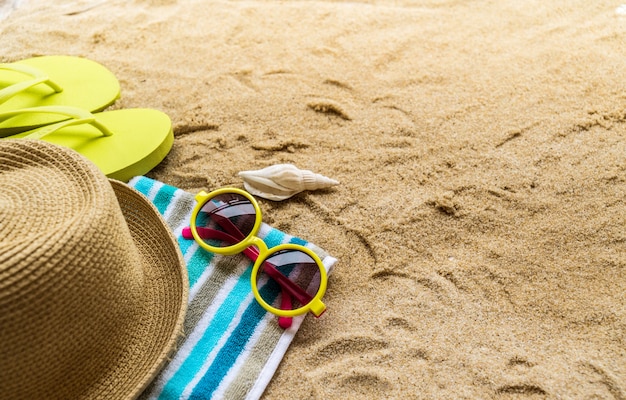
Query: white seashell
x=281, y=181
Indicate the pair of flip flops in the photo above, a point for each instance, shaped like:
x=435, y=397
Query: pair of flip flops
x=59, y=98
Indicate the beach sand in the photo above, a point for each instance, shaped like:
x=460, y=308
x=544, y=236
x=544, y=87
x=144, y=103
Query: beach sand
x=480, y=147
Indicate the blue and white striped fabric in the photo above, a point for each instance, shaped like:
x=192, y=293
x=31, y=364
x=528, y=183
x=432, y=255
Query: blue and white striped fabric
x=231, y=346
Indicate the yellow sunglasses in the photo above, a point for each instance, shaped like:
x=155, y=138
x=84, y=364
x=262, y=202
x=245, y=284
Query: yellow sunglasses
x=287, y=280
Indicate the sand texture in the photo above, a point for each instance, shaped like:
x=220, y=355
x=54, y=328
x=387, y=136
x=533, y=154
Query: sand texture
x=481, y=152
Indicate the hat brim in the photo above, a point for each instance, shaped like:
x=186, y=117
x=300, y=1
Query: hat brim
x=153, y=336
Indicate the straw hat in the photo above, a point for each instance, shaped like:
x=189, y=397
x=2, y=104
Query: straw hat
x=93, y=288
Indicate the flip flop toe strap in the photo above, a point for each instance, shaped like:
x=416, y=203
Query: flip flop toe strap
x=77, y=116
x=38, y=77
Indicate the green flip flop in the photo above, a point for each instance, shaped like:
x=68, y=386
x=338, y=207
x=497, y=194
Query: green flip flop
x=53, y=81
x=122, y=143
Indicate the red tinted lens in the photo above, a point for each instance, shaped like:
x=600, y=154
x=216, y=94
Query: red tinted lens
x=288, y=279
x=225, y=220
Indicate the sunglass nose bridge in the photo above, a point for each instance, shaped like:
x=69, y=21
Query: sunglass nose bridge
x=259, y=244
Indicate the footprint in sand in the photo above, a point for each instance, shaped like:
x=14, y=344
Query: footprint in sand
x=339, y=367
x=356, y=366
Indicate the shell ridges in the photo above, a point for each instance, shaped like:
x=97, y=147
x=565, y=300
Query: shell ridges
x=281, y=181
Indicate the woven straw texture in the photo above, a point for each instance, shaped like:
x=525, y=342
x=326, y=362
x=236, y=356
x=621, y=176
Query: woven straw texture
x=93, y=289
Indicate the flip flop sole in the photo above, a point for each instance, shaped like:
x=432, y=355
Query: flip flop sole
x=140, y=141
x=86, y=84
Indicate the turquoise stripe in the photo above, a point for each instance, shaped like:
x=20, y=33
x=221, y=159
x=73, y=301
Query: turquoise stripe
x=235, y=345
x=198, y=262
x=273, y=238
x=164, y=197
x=185, y=244
x=299, y=241
x=200, y=259
x=213, y=333
x=144, y=185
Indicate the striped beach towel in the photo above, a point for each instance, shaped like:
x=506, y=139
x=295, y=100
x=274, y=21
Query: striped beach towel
x=231, y=346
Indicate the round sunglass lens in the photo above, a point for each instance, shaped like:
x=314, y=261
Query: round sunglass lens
x=225, y=219
x=288, y=279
